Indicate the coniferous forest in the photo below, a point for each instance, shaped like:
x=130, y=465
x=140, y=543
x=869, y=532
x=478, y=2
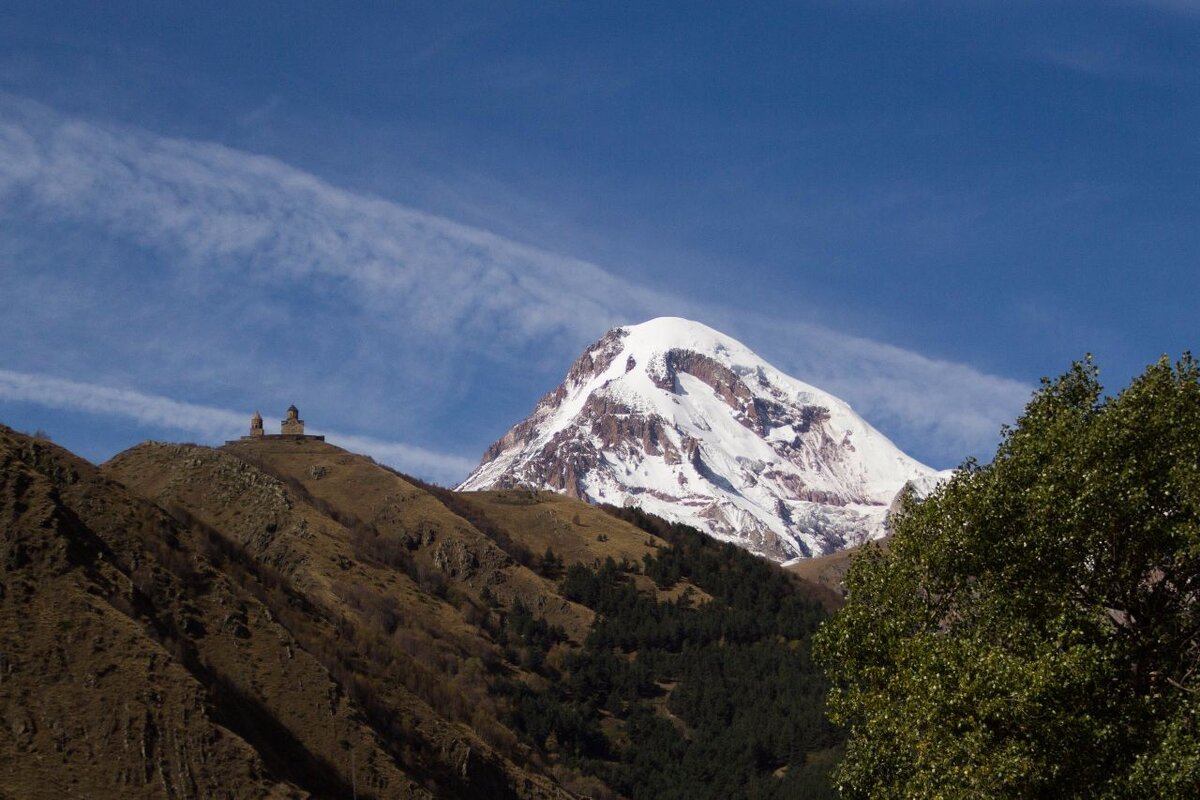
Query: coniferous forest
x=683, y=698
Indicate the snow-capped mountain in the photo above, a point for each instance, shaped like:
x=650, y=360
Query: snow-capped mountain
x=689, y=424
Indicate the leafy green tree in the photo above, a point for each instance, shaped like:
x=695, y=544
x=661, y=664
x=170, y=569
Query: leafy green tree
x=1033, y=628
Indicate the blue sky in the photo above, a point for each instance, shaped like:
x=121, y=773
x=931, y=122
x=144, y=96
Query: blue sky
x=408, y=220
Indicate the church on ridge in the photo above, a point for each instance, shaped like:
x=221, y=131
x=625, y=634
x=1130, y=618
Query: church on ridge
x=290, y=428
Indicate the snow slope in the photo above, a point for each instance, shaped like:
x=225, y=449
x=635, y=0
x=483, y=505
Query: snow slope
x=689, y=424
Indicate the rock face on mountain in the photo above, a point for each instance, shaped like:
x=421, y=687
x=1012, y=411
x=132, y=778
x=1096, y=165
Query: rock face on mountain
x=687, y=423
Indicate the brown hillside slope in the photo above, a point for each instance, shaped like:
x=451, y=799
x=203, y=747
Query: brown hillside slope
x=576, y=532
x=394, y=574
x=287, y=619
x=440, y=541
x=102, y=693
x=229, y=680
x=827, y=574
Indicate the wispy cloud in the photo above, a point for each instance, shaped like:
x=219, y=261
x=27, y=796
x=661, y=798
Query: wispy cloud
x=210, y=424
x=261, y=113
x=225, y=276
x=149, y=410
x=223, y=210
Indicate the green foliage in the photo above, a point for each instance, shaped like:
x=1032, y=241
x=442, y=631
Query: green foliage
x=533, y=634
x=712, y=700
x=1033, y=629
x=550, y=565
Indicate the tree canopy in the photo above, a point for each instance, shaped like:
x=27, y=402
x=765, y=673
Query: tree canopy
x=1032, y=628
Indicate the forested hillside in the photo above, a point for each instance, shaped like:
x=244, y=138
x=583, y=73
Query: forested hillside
x=699, y=698
x=291, y=620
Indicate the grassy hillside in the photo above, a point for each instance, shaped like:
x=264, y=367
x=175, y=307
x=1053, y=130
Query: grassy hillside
x=287, y=619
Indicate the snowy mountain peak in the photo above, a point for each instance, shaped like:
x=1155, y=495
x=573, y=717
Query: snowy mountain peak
x=688, y=423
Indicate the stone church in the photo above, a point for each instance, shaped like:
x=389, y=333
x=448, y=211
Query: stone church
x=290, y=428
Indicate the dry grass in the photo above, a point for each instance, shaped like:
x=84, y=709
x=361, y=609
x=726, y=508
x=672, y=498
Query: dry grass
x=577, y=532
x=827, y=575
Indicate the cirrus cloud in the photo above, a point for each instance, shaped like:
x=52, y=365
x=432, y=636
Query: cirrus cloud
x=187, y=268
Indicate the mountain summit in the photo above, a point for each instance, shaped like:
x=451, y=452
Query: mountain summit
x=687, y=423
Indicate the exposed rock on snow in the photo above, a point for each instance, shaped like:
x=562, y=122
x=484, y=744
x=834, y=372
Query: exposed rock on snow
x=689, y=424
